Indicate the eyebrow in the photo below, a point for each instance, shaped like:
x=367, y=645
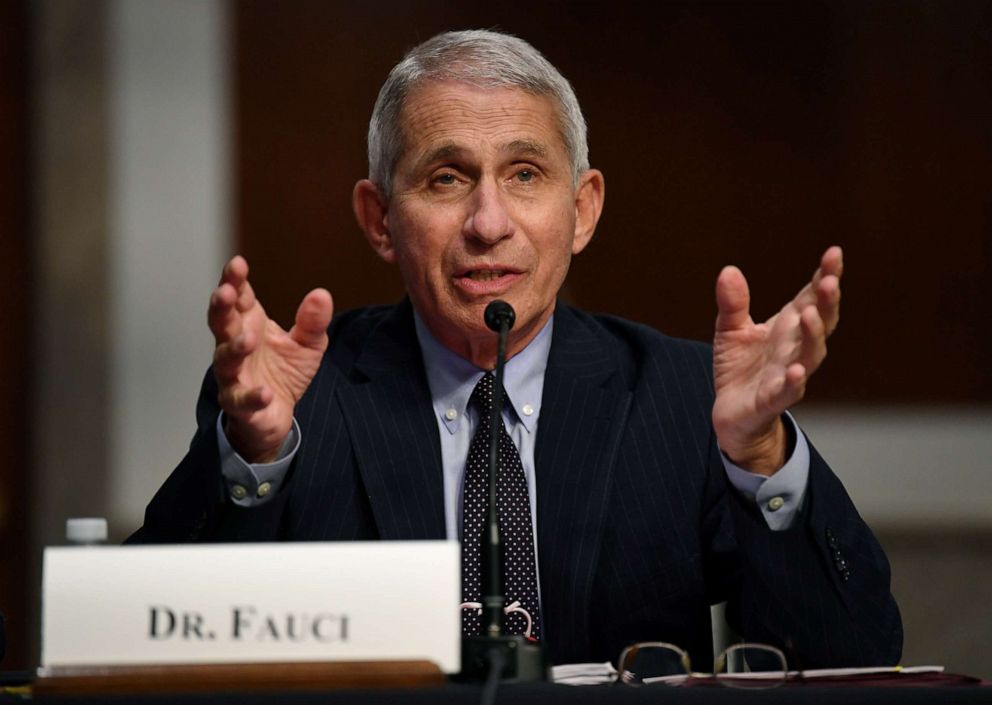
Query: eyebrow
x=441, y=153
x=526, y=148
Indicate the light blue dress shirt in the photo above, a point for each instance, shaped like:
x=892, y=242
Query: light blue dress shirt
x=451, y=379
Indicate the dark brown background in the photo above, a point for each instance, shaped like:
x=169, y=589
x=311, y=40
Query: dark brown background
x=747, y=133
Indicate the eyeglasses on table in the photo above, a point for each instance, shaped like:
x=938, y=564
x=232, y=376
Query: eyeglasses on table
x=752, y=666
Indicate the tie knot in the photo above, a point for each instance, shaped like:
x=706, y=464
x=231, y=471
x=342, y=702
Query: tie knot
x=484, y=394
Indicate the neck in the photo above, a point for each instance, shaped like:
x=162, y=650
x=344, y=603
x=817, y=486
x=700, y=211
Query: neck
x=481, y=350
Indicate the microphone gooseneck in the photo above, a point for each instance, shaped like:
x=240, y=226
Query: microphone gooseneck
x=494, y=656
x=500, y=317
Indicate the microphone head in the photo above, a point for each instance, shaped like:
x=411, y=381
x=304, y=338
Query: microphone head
x=497, y=312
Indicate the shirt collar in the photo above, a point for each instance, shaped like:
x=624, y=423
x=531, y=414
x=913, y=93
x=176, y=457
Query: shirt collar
x=452, y=378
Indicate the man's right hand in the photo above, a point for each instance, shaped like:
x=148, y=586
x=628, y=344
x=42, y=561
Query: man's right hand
x=261, y=370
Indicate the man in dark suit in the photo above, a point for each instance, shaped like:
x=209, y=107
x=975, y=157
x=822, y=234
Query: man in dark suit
x=664, y=475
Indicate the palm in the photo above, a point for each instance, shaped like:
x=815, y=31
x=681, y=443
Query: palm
x=281, y=364
x=749, y=369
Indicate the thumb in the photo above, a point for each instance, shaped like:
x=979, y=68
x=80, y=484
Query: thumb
x=733, y=300
x=312, y=318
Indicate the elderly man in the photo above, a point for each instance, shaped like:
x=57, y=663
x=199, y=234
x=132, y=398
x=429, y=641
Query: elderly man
x=643, y=477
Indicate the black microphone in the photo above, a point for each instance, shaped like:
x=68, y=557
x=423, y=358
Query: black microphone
x=494, y=656
x=496, y=313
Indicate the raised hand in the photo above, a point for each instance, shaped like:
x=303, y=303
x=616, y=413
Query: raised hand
x=761, y=369
x=262, y=370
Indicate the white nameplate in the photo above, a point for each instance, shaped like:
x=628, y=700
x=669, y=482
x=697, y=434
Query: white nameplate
x=240, y=603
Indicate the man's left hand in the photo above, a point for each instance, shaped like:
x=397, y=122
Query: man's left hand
x=761, y=369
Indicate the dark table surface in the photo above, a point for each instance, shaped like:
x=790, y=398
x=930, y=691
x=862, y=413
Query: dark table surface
x=547, y=694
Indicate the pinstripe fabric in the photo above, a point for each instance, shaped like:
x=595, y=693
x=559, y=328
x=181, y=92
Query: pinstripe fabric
x=637, y=529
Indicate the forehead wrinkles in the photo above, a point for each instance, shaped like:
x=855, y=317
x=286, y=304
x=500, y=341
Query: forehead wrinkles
x=500, y=118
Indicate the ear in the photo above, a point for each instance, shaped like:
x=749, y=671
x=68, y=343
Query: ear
x=371, y=212
x=589, y=197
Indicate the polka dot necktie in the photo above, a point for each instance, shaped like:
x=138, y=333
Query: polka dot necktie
x=513, y=516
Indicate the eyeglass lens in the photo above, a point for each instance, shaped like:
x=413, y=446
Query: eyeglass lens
x=751, y=666
x=645, y=663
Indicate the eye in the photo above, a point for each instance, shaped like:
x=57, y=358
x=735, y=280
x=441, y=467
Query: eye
x=445, y=179
x=525, y=175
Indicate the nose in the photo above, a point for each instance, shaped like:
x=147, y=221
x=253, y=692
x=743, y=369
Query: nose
x=488, y=219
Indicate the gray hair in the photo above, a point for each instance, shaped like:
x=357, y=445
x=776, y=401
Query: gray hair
x=481, y=58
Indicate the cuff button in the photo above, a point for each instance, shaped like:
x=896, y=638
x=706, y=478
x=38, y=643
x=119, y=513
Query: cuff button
x=239, y=492
x=775, y=503
x=264, y=489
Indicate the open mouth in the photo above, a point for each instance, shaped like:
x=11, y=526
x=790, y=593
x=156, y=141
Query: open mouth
x=488, y=281
x=485, y=275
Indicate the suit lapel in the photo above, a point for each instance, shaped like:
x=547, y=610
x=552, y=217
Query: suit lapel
x=584, y=408
x=394, y=433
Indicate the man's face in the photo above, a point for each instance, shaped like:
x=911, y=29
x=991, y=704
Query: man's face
x=484, y=207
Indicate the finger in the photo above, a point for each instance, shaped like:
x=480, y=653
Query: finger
x=222, y=316
x=784, y=391
x=312, y=319
x=813, y=348
x=230, y=356
x=241, y=402
x=733, y=300
x=784, y=337
x=235, y=271
x=246, y=296
x=828, y=302
x=794, y=389
x=831, y=267
x=832, y=262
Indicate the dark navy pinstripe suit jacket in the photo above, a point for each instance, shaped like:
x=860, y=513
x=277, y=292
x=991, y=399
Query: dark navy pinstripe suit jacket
x=637, y=530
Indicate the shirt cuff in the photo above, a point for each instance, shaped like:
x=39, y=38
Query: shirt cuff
x=779, y=497
x=254, y=484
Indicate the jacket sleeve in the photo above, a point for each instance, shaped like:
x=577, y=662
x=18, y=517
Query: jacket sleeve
x=820, y=590
x=192, y=505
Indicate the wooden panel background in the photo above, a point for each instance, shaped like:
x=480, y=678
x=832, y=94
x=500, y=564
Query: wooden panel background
x=751, y=133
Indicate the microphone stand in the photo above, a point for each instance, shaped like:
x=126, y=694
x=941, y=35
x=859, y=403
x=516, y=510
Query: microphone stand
x=514, y=658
